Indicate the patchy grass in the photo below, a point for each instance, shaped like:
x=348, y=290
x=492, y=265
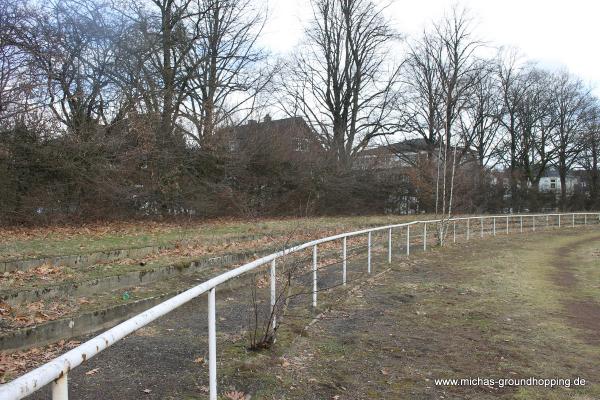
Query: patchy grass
x=45, y=242
x=181, y=253
x=499, y=308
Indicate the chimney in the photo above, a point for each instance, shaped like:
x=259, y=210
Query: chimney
x=268, y=118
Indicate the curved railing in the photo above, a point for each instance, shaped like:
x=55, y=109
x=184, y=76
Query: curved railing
x=56, y=371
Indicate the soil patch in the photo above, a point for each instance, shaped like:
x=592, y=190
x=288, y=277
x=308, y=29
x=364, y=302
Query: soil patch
x=582, y=314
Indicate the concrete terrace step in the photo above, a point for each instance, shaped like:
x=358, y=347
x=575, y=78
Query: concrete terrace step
x=80, y=260
x=107, y=308
x=105, y=256
x=124, y=280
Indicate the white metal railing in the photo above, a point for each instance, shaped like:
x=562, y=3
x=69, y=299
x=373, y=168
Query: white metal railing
x=56, y=371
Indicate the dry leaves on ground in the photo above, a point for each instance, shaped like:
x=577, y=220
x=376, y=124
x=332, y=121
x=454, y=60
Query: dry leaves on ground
x=16, y=363
x=235, y=395
x=93, y=371
x=88, y=229
x=45, y=272
x=35, y=313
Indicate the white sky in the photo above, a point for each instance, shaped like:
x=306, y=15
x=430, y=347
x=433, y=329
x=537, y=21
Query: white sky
x=554, y=32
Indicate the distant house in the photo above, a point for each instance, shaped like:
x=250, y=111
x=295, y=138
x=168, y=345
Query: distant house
x=550, y=182
x=403, y=154
x=395, y=155
x=289, y=138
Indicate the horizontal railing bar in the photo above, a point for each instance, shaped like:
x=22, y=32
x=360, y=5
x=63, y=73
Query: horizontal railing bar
x=516, y=215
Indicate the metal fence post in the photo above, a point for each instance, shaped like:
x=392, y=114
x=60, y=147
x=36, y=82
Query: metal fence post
x=273, y=293
x=494, y=226
x=424, y=236
x=454, y=231
x=212, y=345
x=468, y=228
x=573, y=220
x=585, y=219
x=533, y=222
x=521, y=217
x=408, y=240
x=369, y=253
x=547, y=221
x=390, y=246
x=60, y=388
x=559, y=220
x=507, y=232
x=481, y=226
x=344, y=262
x=315, y=275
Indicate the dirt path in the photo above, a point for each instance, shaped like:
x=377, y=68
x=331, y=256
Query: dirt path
x=582, y=314
x=564, y=260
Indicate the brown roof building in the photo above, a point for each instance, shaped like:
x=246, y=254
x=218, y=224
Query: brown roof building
x=289, y=138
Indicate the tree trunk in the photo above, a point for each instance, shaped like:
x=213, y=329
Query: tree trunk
x=562, y=171
x=594, y=180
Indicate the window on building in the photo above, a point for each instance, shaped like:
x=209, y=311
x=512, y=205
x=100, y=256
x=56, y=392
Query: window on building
x=302, y=144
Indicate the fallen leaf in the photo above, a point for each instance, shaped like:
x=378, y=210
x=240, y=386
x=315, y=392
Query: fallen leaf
x=92, y=371
x=235, y=395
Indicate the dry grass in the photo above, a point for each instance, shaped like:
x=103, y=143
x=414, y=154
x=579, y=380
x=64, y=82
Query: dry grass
x=485, y=309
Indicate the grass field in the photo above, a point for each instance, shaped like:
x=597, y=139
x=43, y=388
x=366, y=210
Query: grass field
x=504, y=308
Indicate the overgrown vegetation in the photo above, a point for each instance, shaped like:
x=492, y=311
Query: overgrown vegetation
x=121, y=109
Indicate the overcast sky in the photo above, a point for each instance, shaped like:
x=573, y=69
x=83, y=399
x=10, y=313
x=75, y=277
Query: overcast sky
x=554, y=32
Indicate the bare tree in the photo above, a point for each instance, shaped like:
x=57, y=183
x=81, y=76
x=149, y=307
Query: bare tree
x=16, y=83
x=536, y=122
x=479, y=122
x=420, y=99
x=590, y=155
x=153, y=62
x=571, y=106
x=451, y=48
x=341, y=79
x=526, y=124
x=230, y=67
x=439, y=79
x=509, y=77
x=419, y=109
x=457, y=64
x=67, y=44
